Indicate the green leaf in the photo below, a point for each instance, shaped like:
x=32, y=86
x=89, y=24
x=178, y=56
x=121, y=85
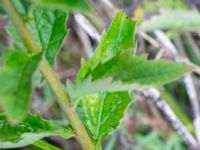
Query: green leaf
x=104, y=81
x=74, y=5
x=136, y=69
x=113, y=67
x=32, y=129
x=15, y=83
x=165, y=20
x=50, y=28
x=127, y=72
x=88, y=87
x=101, y=113
x=47, y=25
x=119, y=36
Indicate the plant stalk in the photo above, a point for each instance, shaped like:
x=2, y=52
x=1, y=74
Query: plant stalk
x=63, y=98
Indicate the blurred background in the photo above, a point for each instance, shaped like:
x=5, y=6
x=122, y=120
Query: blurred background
x=167, y=118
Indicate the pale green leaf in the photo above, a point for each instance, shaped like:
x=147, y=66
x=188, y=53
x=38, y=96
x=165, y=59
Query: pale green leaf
x=15, y=83
x=180, y=20
x=87, y=87
x=74, y=5
x=101, y=113
x=32, y=129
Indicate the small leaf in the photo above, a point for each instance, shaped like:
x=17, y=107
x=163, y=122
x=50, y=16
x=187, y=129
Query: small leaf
x=32, y=129
x=119, y=36
x=166, y=21
x=15, y=83
x=101, y=113
x=74, y=5
x=50, y=27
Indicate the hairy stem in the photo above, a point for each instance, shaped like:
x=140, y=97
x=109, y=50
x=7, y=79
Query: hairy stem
x=63, y=98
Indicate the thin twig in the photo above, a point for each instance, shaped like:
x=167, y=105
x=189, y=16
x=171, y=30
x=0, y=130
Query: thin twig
x=154, y=95
x=87, y=27
x=165, y=42
x=148, y=38
x=84, y=40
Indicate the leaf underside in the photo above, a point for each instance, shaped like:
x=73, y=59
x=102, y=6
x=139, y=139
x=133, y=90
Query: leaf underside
x=30, y=130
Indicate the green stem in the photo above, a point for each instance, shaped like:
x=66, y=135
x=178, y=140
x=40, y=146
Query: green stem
x=63, y=98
